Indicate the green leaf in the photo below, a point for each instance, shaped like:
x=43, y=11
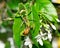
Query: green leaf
x=36, y=21
x=47, y=44
x=28, y=8
x=37, y=25
x=50, y=18
x=39, y=4
x=45, y=6
x=16, y=31
x=33, y=39
x=21, y=6
x=13, y=4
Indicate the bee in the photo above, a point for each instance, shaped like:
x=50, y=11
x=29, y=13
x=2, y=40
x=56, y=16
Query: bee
x=26, y=31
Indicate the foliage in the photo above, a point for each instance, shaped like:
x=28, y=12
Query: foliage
x=33, y=23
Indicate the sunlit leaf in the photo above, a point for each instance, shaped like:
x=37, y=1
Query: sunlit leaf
x=16, y=31
x=37, y=25
x=36, y=21
x=45, y=6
